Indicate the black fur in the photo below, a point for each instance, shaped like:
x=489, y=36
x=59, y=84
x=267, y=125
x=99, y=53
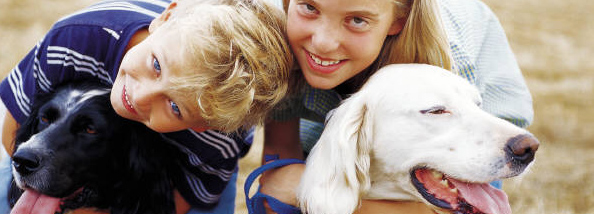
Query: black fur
x=122, y=165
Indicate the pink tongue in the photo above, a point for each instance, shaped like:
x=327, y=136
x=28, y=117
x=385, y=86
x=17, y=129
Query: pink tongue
x=34, y=202
x=484, y=197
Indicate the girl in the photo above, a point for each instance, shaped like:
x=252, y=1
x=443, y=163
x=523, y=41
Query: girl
x=338, y=44
x=195, y=71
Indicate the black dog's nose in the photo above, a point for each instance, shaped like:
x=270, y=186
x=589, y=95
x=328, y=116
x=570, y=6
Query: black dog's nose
x=25, y=162
x=521, y=149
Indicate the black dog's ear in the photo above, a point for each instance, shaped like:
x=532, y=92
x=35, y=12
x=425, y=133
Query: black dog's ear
x=27, y=129
x=14, y=193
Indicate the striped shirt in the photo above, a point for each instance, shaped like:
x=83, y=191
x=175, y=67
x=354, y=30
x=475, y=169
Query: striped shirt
x=90, y=44
x=481, y=55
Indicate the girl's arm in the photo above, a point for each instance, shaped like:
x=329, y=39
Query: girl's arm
x=282, y=139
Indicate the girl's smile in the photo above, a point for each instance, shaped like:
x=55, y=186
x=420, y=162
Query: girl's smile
x=332, y=44
x=323, y=66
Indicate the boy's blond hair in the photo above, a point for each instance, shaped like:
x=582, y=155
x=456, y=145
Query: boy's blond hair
x=241, y=59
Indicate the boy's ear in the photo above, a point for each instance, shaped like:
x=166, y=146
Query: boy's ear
x=397, y=26
x=164, y=16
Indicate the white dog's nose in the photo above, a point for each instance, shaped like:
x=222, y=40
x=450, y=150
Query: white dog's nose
x=521, y=149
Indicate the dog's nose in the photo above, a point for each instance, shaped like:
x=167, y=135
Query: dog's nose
x=25, y=162
x=521, y=148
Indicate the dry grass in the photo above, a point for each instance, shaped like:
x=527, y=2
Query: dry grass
x=552, y=41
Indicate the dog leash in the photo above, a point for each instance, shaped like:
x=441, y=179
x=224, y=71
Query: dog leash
x=255, y=205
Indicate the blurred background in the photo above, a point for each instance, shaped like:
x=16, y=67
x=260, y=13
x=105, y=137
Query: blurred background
x=552, y=41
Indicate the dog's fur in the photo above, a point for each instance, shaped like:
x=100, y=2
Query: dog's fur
x=74, y=139
x=408, y=122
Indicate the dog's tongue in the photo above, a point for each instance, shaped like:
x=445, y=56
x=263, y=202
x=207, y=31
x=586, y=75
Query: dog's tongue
x=36, y=203
x=483, y=197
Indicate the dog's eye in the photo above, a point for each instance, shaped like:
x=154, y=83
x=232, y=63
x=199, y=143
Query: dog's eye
x=90, y=129
x=435, y=110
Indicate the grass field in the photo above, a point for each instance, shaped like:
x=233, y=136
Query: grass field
x=552, y=41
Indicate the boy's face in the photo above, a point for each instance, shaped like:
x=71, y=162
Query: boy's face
x=142, y=90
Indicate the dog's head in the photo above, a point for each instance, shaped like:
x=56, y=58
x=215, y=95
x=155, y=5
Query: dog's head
x=414, y=132
x=58, y=145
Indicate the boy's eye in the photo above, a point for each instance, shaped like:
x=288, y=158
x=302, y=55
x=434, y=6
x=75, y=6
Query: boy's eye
x=175, y=109
x=156, y=65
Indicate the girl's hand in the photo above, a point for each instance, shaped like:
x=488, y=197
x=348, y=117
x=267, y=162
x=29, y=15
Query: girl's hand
x=281, y=183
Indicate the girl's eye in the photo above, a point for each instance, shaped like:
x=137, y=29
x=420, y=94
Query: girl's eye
x=358, y=23
x=156, y=65
x=175, y=109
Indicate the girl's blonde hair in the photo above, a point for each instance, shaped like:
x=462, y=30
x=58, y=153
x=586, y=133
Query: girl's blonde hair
x=240, y=58
x=422, y=40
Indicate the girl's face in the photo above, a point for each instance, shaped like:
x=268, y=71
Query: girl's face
x=334, y=40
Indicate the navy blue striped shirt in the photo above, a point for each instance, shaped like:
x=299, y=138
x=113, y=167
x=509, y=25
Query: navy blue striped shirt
x=90, y=44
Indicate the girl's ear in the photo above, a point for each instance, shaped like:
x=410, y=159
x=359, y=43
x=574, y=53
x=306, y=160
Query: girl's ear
x=397, y=26
x=164, y=16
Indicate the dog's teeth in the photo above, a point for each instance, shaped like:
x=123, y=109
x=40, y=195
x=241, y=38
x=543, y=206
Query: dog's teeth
x=444, y=182
x=454, y=190
x=436, y=174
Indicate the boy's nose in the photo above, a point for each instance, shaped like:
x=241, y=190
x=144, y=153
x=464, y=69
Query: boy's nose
x=145, y=93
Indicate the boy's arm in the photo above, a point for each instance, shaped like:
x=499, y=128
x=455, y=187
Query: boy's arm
x=9, y=132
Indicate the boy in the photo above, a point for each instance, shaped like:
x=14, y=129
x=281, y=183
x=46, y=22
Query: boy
x=191, y=69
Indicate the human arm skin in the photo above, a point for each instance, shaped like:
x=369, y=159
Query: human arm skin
x=282, y=138
x=9, y=133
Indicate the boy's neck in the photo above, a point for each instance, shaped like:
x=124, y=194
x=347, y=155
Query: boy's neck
x=138, y=37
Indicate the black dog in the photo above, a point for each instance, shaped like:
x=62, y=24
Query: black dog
x=75, y=147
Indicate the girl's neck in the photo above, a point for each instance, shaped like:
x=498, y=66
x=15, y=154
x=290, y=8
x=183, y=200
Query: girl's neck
x=353, y=84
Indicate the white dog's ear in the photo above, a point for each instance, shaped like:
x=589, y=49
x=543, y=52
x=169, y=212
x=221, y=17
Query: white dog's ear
x=337, y=170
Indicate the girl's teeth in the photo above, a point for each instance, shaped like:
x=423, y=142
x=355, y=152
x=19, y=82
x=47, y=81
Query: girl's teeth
x=323, y=63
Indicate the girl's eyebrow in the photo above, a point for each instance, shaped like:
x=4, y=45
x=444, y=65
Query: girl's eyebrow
x=364, y=13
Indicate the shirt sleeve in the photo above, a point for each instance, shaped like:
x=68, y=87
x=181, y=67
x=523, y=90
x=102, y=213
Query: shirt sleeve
x=501, y=83
x=483, y=55
x=206, y=163
x=62, y=55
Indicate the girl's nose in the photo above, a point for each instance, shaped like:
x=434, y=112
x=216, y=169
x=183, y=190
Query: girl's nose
x=326, y=38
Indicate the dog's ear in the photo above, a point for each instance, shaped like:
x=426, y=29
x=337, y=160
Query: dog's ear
x=28, y=128
x=337, y=170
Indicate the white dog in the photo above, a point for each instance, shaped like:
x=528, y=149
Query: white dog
x=416, y=133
